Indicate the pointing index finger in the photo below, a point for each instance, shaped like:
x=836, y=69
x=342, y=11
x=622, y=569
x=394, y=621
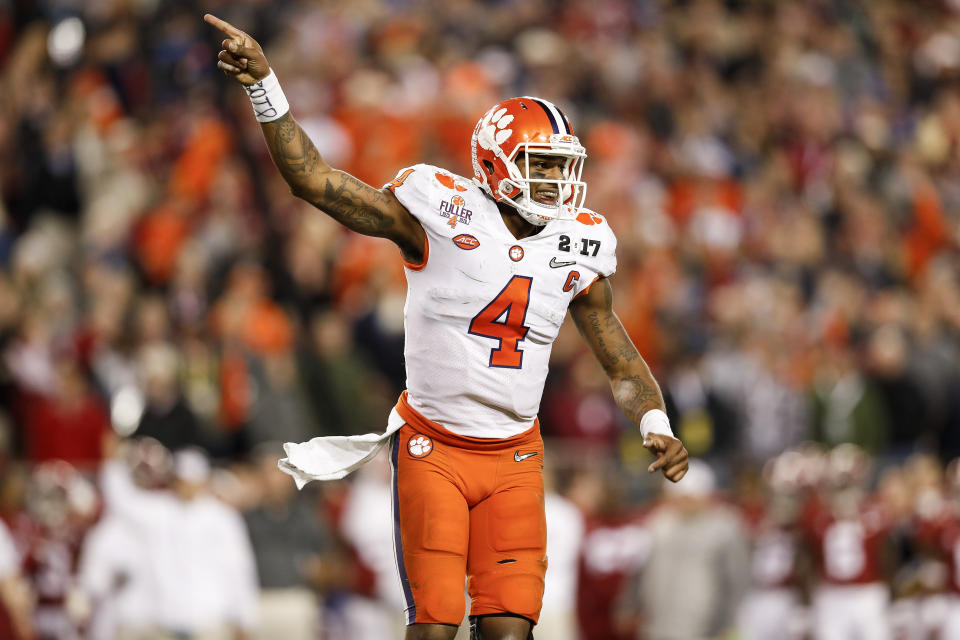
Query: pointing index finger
x=223, y=25
x=658, y=463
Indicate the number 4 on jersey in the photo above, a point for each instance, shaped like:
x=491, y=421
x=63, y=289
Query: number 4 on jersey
x=502, y=320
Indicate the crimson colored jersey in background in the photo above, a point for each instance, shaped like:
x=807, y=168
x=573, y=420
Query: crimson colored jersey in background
x=848, y=550
x=614, y=549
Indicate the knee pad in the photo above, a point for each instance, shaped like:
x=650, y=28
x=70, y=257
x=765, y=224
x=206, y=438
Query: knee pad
x=441, y=601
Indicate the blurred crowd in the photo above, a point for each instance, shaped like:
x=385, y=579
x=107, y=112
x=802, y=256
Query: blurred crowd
x=784, y=182
x=821, y=544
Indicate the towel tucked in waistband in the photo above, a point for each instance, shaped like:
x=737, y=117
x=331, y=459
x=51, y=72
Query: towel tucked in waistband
x=333, y=457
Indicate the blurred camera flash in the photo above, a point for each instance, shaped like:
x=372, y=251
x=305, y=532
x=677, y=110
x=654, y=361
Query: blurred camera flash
x=65, y=41
x=126, y=408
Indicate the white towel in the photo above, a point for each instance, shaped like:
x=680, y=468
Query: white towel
x=333, y=457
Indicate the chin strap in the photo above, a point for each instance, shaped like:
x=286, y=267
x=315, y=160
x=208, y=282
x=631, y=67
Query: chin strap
x=535, y=220
x=529, y=216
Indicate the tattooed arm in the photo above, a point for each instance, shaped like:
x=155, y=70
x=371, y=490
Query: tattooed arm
x=356, y=205
x=634, y=388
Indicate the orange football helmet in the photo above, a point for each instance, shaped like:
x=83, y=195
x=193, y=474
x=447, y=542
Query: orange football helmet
x=532, y=126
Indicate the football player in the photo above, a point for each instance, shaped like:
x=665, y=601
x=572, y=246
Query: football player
x=848, y=533
x=938, y=532
x=62, y=504
x=772, y=607
x=492, y=265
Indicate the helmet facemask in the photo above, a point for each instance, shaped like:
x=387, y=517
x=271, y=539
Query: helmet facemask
x=571, y=190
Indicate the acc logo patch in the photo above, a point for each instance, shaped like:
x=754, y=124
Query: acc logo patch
x=516, y=253
x=466, y=241
x=419, y=446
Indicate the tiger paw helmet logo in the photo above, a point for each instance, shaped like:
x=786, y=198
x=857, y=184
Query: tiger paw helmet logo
x=493, y=129
x=419, y=446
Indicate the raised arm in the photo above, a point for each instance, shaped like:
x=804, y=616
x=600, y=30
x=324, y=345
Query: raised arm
x=354, y=204
x=634, y=388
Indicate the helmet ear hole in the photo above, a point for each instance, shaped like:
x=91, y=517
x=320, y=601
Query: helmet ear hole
x=488, y=166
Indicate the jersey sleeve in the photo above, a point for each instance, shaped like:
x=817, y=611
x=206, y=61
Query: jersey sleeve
x=594, y=236
x=425, y=191
x=407, y=186
x=422, y=188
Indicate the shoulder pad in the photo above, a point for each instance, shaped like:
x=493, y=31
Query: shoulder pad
x=590, y=218
x=426, y=177
x=425, y=190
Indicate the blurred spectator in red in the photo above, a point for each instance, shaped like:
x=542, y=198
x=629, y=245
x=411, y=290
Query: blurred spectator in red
x=615, y=547
x=938, y=532
x=68, y=424
x=848, y=533
x=578, y=408
x=773, y=606
x=61, y=505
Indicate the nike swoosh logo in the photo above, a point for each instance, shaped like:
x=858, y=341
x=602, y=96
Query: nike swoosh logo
x=517, y=456
x=556, y=264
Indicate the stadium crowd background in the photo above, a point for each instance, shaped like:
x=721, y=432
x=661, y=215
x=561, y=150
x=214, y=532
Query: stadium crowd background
x=783, y=178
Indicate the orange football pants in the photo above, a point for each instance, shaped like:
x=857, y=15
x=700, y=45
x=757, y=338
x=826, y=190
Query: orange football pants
x=467, y=507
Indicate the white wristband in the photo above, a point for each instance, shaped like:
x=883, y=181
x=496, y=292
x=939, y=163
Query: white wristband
x=655, y=421
x=267, y=98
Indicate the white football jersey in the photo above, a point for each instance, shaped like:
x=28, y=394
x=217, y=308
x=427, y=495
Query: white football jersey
x=483, y=310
